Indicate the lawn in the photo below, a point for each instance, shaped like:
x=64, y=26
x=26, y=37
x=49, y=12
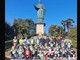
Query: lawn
x=8, y=45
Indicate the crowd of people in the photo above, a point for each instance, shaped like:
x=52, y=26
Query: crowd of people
x=42, y=47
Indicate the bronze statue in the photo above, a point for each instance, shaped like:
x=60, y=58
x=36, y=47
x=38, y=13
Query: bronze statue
x=40, y=11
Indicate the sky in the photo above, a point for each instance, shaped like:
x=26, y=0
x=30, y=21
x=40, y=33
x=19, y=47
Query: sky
x=56, y=11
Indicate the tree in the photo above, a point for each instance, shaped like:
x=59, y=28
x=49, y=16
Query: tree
x=52, y=29
x=56, y=30
x=67, y=24
x=9, y=33
x=15, y=27
x=31, y=25
x=64, y=24
x=23, y=27
x=60, y=31
x=73, y=36
x=73, y=33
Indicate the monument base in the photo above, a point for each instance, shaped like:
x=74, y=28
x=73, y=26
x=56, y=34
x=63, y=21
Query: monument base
x=40, y=28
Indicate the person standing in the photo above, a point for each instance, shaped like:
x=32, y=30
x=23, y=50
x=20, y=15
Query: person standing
x=37, y=41
x=66, y=41
x=21, y=41
x=25, y=41
x=15, y=41
x=32, y=41
x=69, y=44
x=62, y=44
x=47, y=40
x=59, y=41
x=54, y=41
x=42, y=41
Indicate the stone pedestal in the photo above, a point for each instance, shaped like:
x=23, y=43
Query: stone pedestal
x=40, y=28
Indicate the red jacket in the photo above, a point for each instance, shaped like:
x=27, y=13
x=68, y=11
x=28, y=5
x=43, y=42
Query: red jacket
x=26, y=52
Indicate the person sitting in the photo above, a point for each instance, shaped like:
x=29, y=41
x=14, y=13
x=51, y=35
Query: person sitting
x=46, y=46
x=41, y=46
x=41, y=55
x=51, y=53
x=72, y=54
x=69, y=44
x=13, y=52
x=20, y=52
x=31, y=47
x=45, y=54
x=63, y=50
x=27, y=53
x=33, y=53
x=51, y=44
x=56, y=49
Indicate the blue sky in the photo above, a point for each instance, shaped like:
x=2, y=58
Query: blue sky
x=56, y=10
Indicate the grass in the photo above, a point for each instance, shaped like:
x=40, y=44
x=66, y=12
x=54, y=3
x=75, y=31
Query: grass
x=74, y=42
x=8, y=45
x=8, y=41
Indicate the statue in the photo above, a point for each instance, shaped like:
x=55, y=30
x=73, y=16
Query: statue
x=40, y=17
x=40, y=12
